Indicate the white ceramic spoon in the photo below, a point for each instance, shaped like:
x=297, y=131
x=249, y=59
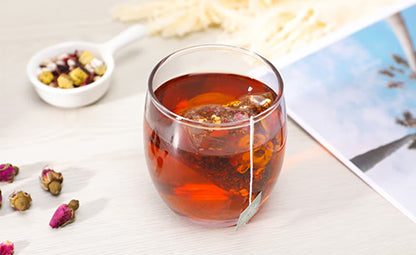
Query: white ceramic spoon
x=81, y=96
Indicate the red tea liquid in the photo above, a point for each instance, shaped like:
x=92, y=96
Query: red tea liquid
x=204, y=172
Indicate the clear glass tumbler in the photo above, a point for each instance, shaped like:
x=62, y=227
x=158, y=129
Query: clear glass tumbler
x=214, y=131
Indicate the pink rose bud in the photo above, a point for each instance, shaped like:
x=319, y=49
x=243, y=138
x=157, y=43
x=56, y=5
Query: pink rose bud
x=64, y=215
x=51, y=181
x=7, y=172
x=6, y=248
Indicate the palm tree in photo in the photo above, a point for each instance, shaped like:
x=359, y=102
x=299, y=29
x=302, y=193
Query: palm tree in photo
x=369, y=159
x=407, y=121
x=400, y=30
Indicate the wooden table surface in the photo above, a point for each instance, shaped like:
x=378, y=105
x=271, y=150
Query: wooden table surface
x=317, y=207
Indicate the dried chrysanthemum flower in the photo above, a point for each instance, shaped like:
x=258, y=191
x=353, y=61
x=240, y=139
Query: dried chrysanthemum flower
x=78, y=76
x=46, y=77
x=64, y=215
x=8, y=172
x=51, y=181
x=20, y=201
x=65, y=82
x=86, y=57
x=6, y=248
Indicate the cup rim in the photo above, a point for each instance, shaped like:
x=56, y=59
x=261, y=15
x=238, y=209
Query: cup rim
x=197, y=124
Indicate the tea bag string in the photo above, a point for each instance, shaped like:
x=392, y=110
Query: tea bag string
x=254, y=205
x=251, y=158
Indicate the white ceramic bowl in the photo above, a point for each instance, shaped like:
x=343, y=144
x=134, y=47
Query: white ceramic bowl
x=81, y=96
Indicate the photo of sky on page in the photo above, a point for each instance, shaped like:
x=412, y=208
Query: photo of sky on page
x=357, y=97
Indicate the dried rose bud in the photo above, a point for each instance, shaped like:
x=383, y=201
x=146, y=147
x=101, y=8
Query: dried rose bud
x=51, y=181
x=20, y=201
x=6, y=248
x=65, y=214
x=8, y=172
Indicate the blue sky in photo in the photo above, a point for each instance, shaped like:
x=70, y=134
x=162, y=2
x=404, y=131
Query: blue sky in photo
x=339, y=92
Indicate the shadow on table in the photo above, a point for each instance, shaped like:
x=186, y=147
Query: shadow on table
x=76, y=179
x=91, y=209
x=20, y=246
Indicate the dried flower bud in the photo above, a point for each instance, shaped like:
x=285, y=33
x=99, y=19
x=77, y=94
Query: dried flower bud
x=6, y=248
x=8, y=172
x=1, y=198
x=20, y=201
x=65, y=82
x=100, y=70
x=46, y=77
x=51, y=181
x=85, y=57
x=64, y=215
x=78, y=76
x=256, y=103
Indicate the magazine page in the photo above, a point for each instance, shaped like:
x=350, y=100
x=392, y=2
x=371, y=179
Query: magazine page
x=357, y=96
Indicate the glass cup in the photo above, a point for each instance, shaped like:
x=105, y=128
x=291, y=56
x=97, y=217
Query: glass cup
x=214, y=131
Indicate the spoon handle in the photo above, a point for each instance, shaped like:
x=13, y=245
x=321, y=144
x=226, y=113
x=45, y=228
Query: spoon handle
x=127, y=36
